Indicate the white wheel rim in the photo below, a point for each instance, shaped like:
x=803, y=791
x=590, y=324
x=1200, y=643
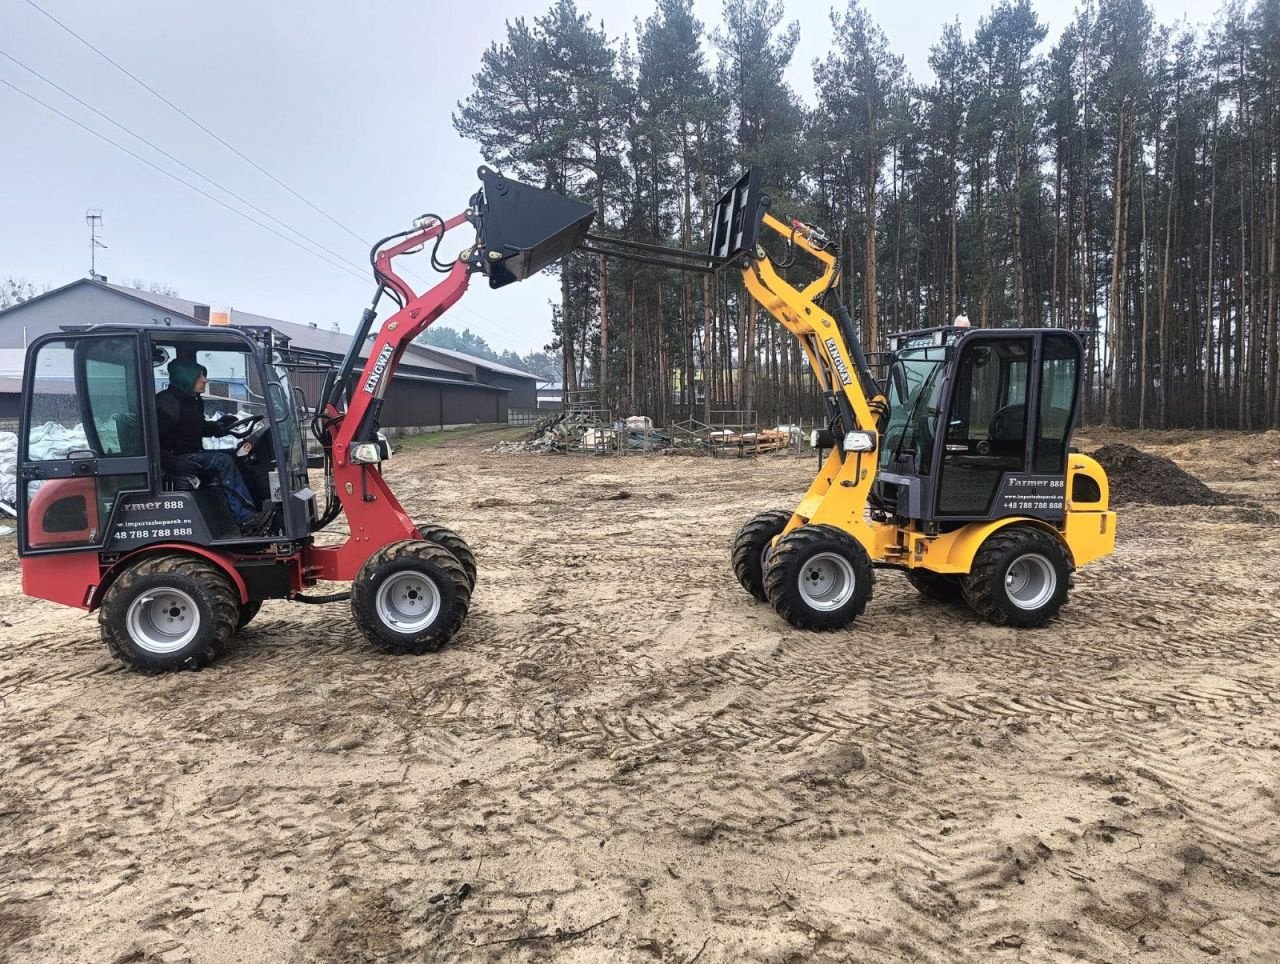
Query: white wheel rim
x=827, y=581
x=163, y=620
x=1030, y=581
x=408, y=602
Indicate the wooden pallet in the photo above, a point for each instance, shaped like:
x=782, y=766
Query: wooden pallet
x=751, y=443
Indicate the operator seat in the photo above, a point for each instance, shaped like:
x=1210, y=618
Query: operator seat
x=207, y=491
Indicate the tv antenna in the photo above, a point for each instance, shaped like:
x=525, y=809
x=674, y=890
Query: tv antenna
x=93, y=218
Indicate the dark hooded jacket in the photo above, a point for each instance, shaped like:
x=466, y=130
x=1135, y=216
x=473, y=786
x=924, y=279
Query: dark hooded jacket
x=180, y=413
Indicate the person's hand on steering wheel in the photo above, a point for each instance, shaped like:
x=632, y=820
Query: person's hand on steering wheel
x=239, y=427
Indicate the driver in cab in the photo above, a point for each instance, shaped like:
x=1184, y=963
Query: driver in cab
x=183, y=429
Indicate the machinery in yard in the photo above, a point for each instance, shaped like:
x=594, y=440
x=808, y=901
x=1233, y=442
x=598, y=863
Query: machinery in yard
x=104, y=524
x=958, y=470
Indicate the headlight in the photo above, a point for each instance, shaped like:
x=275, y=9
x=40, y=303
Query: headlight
x=365, y=453
x=860, y=442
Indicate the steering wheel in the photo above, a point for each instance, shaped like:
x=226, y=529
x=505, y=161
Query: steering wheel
x=243, y=428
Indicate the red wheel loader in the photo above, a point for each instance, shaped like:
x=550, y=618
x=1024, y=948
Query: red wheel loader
x=103, y=525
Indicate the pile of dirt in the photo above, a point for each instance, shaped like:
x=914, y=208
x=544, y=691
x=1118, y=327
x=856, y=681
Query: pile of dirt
x=1141, y=477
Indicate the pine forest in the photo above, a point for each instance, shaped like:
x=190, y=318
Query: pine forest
x=1119, y=179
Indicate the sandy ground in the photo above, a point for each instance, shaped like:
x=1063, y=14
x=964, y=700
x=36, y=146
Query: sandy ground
x=623, y=757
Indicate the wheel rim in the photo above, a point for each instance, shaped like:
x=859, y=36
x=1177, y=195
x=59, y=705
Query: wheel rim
x=1030, y=581
x=827, y=581
x=163, y=620
x=408, y=602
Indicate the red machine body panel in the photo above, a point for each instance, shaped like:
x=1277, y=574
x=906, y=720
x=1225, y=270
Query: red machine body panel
x=78, y=495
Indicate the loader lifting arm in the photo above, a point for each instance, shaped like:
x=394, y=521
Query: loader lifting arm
x=830, y=343
x=519, y=229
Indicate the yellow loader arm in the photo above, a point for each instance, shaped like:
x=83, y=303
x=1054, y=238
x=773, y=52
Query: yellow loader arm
x=837, y=361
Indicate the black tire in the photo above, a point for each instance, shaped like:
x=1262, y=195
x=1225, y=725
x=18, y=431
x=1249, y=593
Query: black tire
x=146, y=636
x=446, y=537
x=392, y=601
x=247, y=612
x=794, y=579
x=936, y=585
x=751, y=544
x=1041, y=575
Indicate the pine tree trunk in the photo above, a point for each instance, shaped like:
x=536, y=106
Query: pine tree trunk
x=1208, y=308
x=1145, y=294
x=1110, y=386
x=870, y=311
x=567, y=335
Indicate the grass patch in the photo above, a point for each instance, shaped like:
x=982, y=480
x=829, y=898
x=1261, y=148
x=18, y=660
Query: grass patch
x=493, y=433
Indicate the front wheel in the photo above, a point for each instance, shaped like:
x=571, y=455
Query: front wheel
x=410, y=597
x=1020, y=577
x=443, y=536
x=167, y=613
x=752, y=546
x=819, y=577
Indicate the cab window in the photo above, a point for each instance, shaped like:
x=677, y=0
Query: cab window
x=1059, y=378
x=986, y=428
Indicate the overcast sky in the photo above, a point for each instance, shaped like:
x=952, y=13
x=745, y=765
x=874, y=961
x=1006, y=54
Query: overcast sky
x=348, y=107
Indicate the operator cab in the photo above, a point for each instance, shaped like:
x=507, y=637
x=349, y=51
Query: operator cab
x=89, y=450
x=979, y=426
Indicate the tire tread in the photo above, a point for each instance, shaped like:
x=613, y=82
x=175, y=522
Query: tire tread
x=747, y=545
x=211, y=581
x=444, y=536
x=364, y=596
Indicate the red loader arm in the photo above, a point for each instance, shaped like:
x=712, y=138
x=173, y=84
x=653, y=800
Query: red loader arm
x=520, y=229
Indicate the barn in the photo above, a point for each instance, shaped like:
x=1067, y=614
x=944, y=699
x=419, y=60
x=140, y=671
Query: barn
x=432, y=388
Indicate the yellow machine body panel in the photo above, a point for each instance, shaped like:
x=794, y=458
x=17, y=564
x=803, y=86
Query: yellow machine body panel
x=839, y=494
x=838, y=497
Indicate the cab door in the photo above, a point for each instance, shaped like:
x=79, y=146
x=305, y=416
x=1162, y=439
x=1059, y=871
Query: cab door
x=982, y=440
x=81, y=439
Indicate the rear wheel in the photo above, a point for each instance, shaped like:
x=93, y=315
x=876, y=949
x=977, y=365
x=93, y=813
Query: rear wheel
x=935, y=585
x=819, y=577
x=410, y=597
x=457, y=545
x=1020, y=577
x=751, y=549
x=168, y=613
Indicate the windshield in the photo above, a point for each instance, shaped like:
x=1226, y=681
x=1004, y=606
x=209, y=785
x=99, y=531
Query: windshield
x=913, y=380
x=284, y=402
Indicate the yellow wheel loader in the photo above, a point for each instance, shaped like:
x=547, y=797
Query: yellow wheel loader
x=958, y=470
